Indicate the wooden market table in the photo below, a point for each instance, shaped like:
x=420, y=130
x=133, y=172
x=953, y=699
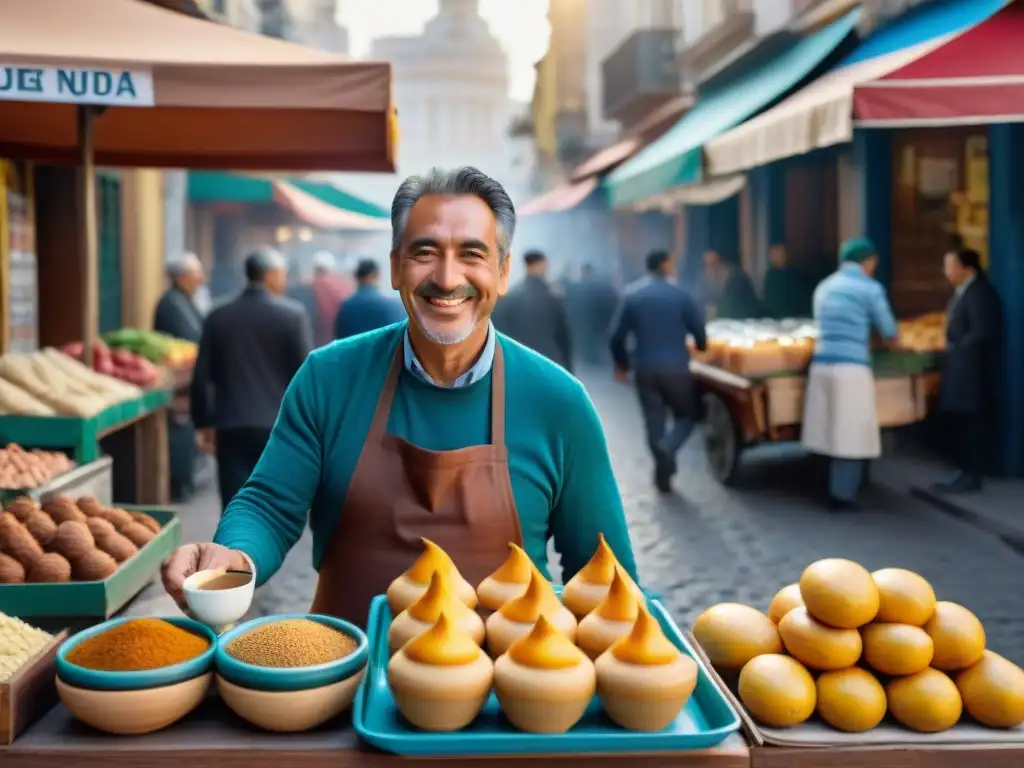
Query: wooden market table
x=968, y=756
x=213, y=737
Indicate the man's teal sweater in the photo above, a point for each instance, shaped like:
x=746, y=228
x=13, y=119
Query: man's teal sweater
x=558, y=458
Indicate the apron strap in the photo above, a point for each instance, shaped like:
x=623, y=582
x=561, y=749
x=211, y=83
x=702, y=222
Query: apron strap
x=498, y=397
x=387, y=396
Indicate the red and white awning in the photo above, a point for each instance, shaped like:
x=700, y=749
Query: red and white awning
x=975, y=78
x=975, y=75
x=317, y=213
x=559, y=199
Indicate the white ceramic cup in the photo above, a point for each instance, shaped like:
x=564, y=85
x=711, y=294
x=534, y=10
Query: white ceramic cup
x=219, y=597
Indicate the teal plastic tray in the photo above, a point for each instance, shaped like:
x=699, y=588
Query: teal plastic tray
x=707, y=719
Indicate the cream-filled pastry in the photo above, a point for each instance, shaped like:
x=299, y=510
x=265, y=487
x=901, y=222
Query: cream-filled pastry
x=643, y=679
x=425, y=612
x=590, y=585
x=518, y=616
x=612, y=619
x=441, y=679
x=508, y=582
x=407, y=588
x=544, y=683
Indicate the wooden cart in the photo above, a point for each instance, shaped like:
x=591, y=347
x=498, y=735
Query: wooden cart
x=741, y=412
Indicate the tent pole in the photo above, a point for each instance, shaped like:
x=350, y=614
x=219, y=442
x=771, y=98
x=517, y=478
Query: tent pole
x=88, y=246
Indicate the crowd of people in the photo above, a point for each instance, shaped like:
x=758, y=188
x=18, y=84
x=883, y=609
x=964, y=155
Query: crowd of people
x=251, y=347
x=423, y=418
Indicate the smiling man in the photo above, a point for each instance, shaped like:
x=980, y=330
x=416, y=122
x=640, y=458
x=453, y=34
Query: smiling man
x=437, y=426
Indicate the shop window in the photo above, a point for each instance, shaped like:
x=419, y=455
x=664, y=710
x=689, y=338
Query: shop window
x=940, y=195
x=108, y=189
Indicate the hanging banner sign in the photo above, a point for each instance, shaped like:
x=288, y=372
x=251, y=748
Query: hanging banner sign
x=70, y=85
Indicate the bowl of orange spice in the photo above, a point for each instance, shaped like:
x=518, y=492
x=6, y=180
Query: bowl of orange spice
x=132, y=676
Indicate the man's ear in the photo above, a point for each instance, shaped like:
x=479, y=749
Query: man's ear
x=396, y=265
x=503, y=274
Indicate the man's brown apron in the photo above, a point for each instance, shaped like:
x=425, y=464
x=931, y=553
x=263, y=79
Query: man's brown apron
x=460, y=499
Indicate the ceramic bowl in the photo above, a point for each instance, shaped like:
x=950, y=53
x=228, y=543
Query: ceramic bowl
x=290, y=711
x=100, y=680
x=130, y=713
x=279, y=679
x=219, y=607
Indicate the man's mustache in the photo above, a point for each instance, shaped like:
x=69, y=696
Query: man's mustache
x=428, y=289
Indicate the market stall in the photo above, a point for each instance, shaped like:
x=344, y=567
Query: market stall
x=589, y=673
x=753, y=374
x=158, y=89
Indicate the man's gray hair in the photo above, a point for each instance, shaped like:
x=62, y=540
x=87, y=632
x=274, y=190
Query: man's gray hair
x=263, y=260
x=461, y=181
x=182, y=264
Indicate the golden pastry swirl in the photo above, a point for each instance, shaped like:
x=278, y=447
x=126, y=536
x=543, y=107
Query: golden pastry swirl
x=621, y=603
x=517, y=568
x=539, y=598
x=439, y=597
x=645, y=645
x=431, y=560
x=545, y=648
x=600, y=569
x=443, y=645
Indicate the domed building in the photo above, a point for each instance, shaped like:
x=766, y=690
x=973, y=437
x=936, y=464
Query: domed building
x=451, y=89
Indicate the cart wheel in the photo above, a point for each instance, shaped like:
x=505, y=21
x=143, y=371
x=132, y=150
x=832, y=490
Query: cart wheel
x=721, y=439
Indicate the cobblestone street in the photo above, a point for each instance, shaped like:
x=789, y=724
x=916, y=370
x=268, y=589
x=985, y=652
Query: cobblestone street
x=705, y=543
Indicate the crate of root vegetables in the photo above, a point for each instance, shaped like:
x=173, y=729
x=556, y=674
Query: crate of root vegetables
x=45, y=475
x=78, y=561
x=23, y=472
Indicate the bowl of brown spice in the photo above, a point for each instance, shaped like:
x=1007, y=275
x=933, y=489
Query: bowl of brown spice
x=292, y=672
x=132, y=676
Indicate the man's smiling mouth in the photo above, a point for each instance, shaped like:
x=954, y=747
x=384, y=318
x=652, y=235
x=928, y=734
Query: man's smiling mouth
x=448, y=303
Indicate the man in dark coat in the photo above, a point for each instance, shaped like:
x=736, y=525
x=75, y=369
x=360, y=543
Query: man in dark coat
x=178, y=315
x=250, y=349
x=368, y=308
x=534, y=316
x=728, y=291
x=659, y=316
x=971, y=372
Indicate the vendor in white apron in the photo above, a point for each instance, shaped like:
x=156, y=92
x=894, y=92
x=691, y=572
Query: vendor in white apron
x=840, y=421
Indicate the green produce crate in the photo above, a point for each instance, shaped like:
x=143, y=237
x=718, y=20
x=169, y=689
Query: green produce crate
x=77, y=435
x=89, y=602
x=156, y=398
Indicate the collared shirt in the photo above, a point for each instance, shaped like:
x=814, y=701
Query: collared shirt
x=479, y=369
x=847, y=305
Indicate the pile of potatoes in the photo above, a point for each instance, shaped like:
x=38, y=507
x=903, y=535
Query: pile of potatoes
x=65, y=540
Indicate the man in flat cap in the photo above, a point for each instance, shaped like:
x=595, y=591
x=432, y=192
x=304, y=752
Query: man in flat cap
x=840, y=420
x=250, y=349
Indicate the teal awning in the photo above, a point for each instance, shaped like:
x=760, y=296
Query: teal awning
x=223, y=187
x=674, y=159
